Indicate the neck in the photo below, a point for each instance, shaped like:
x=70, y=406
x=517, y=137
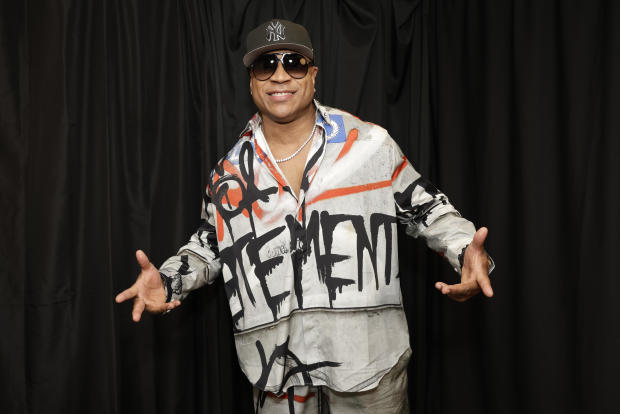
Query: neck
x=289, y=133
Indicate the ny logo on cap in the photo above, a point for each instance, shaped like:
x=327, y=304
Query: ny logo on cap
x=275, y=31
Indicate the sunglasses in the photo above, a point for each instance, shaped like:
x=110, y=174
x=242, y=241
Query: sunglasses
x=294, y=64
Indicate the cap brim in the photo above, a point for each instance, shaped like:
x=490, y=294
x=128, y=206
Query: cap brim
x=253, y=54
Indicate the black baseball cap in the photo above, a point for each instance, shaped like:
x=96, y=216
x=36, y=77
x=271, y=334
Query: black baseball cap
x=277, y=34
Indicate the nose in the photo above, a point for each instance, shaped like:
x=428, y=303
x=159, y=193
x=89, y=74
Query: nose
x=280, y=74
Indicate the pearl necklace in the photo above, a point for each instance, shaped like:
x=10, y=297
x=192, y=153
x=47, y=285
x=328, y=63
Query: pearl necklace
x=298, y=149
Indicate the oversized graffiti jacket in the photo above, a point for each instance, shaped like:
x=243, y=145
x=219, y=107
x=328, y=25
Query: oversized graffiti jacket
x=312, y=281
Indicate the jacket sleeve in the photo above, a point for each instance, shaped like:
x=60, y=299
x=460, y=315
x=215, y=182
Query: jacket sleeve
x=198, y=262
x=427, y=213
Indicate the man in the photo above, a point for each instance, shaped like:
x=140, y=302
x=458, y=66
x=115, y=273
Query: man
x=300, y=219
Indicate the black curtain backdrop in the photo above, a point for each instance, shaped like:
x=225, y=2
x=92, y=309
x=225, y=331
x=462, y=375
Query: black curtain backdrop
x=113, y=113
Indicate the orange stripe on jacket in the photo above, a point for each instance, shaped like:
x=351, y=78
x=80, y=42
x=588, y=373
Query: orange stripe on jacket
x=270, y=166
x=298, y=398
x=339, y=192
x=398, y=169
x=348, y=143
x=231, y=169
x=220, y=227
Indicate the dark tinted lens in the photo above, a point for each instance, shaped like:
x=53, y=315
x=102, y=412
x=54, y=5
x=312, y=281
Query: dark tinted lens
x=296, y=65
x=265, y=66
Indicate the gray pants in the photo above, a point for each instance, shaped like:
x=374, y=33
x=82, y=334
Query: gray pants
x=389, y=397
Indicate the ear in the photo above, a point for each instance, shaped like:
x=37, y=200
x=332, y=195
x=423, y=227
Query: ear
x=313, y=71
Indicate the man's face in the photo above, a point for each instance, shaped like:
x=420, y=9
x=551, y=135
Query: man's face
x=283, y=98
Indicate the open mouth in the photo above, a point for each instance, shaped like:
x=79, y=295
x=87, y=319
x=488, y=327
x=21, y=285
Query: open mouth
x=280, y=93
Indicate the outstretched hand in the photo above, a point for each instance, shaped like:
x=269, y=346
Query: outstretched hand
x=148, y=292
x=474, y=274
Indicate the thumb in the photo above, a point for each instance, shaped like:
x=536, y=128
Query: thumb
x=480, y=237
x=142, y=259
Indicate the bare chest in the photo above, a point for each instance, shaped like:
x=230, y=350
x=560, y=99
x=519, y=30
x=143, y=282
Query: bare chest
x=293, y=169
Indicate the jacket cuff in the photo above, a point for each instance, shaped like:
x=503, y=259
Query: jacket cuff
x=167, y=281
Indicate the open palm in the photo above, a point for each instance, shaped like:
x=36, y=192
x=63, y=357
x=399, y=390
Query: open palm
x=474, y=274
x=148, y=291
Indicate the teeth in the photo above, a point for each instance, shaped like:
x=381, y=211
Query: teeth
x=281, y=93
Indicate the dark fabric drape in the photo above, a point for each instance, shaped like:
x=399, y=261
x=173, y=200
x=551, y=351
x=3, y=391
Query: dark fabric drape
x=112, y=114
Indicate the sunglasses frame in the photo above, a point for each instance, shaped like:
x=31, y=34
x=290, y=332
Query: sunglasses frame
x=280, y=57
